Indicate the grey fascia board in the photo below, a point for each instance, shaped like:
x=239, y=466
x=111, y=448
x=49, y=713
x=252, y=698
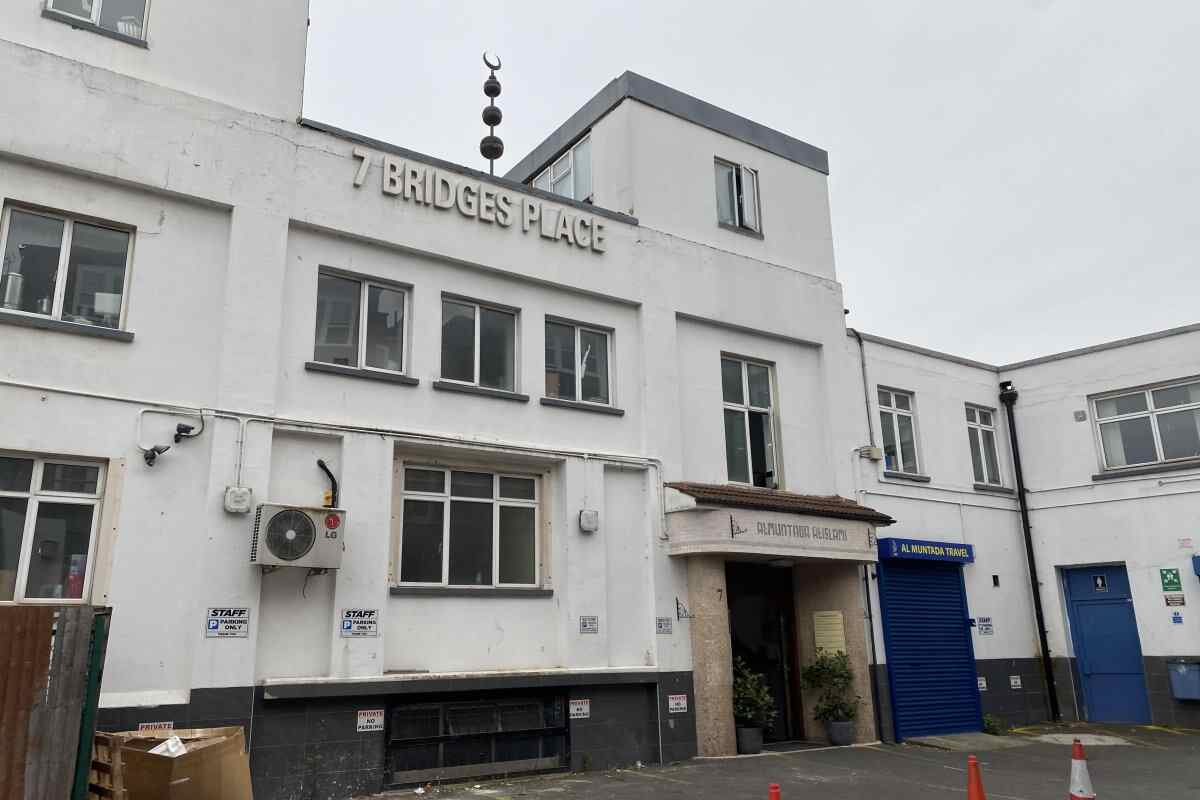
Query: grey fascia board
x=924, y=351
x=1098, y=348
x=467, y=172
x=630, y=85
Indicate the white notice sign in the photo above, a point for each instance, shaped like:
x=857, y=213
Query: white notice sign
x=589, y=624
x=581, y=709
x=370, y=720
x=1014, y=681
x=663, y=625
x=155, y=727
x=677, y=704
x=358, y=622
x=829, y=630
x=981, y=682
x=984, y=626
x=227, y=623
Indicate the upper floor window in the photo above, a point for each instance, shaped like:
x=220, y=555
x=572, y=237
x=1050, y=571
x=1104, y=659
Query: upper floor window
x=479, y=344
x=360, y=323
x=577, y=360
x=62, y=267
x=126, y=17
x=899, y=431
x=49, y=511
x=467, y=528
x=981, y=433
x=571, y=173
x=749, y=430
x=1149, y=425
x=737, y=196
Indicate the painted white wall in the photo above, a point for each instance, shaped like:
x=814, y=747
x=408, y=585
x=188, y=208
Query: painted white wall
x=247, y=55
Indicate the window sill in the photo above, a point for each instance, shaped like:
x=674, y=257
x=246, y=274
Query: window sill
x=467, y=388
x=993, y=488
x=51, y=324
x=740, y=229
x=85, y=25
x=1148, y=469
x=468, y=591
x=359, y=372
x=595, y=408
x=906, y=476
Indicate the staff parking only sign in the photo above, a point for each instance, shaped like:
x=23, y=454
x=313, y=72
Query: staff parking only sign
x=227, y=623
x=359, y=622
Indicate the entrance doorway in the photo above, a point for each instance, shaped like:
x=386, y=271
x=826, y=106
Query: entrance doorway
x=762, y=630
x=1107, y=649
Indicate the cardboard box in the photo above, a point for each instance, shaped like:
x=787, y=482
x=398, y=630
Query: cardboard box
x=215, y=766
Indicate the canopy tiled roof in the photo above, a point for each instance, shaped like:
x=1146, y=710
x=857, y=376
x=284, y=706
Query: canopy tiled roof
x=832, y=505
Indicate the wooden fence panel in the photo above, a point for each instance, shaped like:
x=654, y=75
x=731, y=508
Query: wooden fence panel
x=27, y=632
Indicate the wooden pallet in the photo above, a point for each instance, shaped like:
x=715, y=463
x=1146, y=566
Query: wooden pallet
x=106, y=779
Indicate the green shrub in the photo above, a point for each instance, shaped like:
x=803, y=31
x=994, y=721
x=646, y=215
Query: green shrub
x=832, y=676
x=994, y=725
x=753, y=703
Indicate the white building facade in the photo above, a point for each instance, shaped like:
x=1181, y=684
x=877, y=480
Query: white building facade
x=583, y=435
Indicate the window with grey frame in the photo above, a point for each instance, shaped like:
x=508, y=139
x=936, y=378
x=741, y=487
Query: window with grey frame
x=577, y=363
x=898, y=424
x=479, y=344
x=360, y=323
x=49, y=514
x=63, y=267
x=462, y=527
x=981, y=438
x=570, y=175
x=737, y=196
x=746, y=395
x=1155, y=425
x=126, y=17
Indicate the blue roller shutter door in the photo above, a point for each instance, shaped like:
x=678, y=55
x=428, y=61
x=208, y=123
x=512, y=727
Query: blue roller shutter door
x=931, y=662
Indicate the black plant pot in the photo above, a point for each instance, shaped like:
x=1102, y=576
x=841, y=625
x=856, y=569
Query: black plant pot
x=841, y=731
x=749, y=740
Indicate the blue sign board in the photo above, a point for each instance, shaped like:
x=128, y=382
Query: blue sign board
x=926, y=551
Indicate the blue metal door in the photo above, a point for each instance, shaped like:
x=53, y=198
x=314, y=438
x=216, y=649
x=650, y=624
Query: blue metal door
x=931, y=661
x=1107, y=649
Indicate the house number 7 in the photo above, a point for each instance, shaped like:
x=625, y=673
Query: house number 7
x=361, y=176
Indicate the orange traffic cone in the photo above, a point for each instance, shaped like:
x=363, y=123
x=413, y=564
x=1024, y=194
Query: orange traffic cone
x=1081, y=781
x=974, y=780
x=773, y=792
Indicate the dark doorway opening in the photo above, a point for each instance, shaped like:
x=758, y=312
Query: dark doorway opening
x=762, y=630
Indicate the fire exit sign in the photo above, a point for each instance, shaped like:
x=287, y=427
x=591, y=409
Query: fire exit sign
x=1171, y=582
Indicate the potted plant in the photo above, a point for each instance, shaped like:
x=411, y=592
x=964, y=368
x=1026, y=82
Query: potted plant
x=831, y=675
x=753, y=706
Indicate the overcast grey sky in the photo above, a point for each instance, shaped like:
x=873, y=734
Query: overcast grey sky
x=1008, y=179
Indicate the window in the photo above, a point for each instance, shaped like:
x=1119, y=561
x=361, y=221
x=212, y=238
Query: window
x=576, y=363
x=359, y=323
x=465, y=528
x=899, y=433
x=49, y=511
x=749, y=432
x=1150, y=425
x=478, y=344
x=571, y=173
x=981, y=433
x=737, y=196
x=126, y=17
x=64, y=268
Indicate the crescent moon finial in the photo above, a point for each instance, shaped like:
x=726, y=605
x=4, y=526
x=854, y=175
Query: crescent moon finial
x=489, y=64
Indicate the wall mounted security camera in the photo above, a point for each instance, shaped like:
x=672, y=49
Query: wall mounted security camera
x=151, y=454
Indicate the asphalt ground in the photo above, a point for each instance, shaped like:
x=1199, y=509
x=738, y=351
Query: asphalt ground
x=1157, y=763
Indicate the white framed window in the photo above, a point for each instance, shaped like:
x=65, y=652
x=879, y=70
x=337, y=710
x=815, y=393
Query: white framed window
x=570, y=175
x=49, y=513
x=360, y=322
x=68, y=268
x=981, y=436
x=465, y=527
x=577, y=362
x=737, y=196
x=746, y=394
x=126, y=17
x=479, y=344
x=897, y=420
x=1148, y=426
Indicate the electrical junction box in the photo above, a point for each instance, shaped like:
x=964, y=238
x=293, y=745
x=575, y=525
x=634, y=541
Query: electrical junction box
x=239, y=499
x=589, y=520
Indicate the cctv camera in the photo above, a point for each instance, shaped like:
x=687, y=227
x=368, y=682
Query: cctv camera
x=152, y=453
x=181, y=431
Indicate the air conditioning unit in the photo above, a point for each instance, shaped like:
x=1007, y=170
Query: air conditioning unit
x=295, y=536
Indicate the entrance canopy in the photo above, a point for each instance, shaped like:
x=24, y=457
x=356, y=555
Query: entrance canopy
x=748, y=521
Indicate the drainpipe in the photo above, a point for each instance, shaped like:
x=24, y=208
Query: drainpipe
x=862, y=362
x=1008, y=396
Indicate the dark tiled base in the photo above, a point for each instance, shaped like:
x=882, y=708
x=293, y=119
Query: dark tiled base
x=309, y=748
x=1164, y=708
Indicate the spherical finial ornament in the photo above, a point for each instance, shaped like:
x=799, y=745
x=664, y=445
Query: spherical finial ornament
x=491, y=148
x=491, y=86
x=492, y=116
